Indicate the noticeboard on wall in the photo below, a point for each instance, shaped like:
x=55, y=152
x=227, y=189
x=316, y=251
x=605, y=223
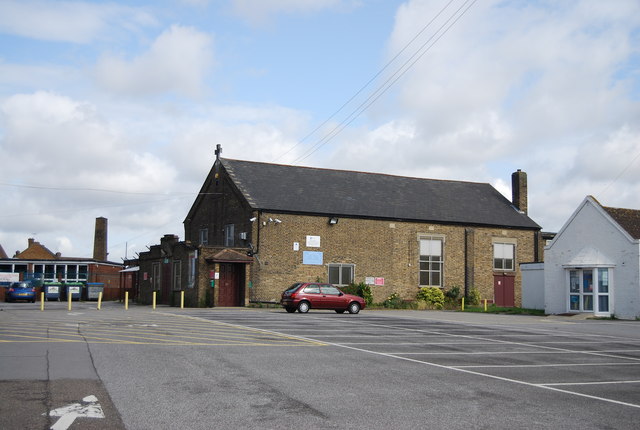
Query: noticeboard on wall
x=312, y=257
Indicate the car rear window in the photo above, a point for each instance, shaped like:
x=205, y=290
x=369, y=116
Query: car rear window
x=293, y=288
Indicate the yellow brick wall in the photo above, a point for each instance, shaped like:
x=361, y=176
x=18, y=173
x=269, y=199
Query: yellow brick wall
x=388, y=249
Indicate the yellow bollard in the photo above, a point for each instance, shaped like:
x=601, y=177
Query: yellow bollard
x=126, y=300
x=463, y=303
x=154, y=300
x=485, y=305
x=42, y=301
x=99, y=300
x=69, y=295
x=181, y=299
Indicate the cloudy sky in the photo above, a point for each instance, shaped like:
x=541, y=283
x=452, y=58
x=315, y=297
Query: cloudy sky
x=114, y=108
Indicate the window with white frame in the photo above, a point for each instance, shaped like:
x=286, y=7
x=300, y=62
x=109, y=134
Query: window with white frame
x=504, y=256
x=229, y=235
x=83, y=272
x=72, y=272
x=341, y=274
x=431, y=261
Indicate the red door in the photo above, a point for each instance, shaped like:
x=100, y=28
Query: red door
x=503, y=290
x=229, y=288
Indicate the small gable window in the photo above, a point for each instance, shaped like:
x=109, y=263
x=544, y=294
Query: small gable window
x=229, y=235
x=204, y=236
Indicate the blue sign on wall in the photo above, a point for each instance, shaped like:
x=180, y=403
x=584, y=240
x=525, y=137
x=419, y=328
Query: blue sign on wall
x=312, y=257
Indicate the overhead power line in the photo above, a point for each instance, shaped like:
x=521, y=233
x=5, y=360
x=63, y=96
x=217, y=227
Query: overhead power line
x=388, y=83
x=103, y=190
x=372, y=79
x=614, y=180
x=41, y=187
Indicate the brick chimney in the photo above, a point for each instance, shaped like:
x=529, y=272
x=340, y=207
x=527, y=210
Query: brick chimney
x=519, y=190
x=100, y=240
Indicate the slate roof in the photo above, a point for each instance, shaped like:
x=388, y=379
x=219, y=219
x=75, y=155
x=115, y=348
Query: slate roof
x=294, y=189
x=628, y=219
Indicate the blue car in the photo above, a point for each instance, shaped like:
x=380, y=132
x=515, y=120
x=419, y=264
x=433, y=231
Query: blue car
x=21, y=291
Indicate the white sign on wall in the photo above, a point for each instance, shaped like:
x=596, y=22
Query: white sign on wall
x=313, y=241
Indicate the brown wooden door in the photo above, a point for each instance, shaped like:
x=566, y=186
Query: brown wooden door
x=504, y=290
x=229, y=288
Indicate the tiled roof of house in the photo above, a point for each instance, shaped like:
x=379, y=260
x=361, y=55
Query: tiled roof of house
x=628, y=219
x=293, y=189
x=36, y=250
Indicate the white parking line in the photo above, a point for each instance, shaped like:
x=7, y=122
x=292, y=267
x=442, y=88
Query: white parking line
x=505, y=366
x=508, y=352
x=592, y=383
x=500, y=378
x=468, y=370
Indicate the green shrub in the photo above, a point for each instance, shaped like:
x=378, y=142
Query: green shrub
x=350, y=289
x=452, y=294
x=363, y=290
x=473, y=297
x=432, y=296
x=393, y=301
x=365, y=293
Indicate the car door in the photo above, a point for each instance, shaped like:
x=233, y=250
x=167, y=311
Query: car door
x=312, y=294
x=332, y=297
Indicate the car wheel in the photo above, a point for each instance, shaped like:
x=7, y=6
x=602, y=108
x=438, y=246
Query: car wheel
x=339, y=311
x=303, y=307
x=354, y=308
x=290, y=309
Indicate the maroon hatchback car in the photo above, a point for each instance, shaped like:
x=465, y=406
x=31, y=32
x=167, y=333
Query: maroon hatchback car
x=311, y=295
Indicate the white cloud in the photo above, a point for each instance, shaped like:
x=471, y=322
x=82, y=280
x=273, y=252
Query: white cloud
x=160, y=153
x=533, y=85
x=57, y=154
x=258, y=12
x=550, y=88
x=177, y=62
x=67, y=21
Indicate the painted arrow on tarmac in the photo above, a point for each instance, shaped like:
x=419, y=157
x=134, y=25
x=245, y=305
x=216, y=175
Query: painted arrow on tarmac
x=89, y=408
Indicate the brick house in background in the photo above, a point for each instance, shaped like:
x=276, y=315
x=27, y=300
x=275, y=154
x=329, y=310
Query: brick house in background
x=39, y=263
x=256, y=228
